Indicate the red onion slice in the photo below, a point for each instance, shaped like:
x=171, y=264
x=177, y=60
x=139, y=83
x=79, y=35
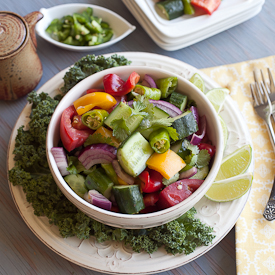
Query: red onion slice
x=150, y=81
x=145, y=83
x=61, y=160
x=97, y=153
x=188, y=173
x=122, y=174
x=167, y=107
x=199, y=135
x=97, y=199
x=195, y=113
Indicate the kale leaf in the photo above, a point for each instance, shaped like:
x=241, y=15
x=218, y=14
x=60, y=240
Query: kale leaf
x=89, y=65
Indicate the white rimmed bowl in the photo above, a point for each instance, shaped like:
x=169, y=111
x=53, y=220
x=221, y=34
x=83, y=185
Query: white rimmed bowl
x=139, y=220
x=119, y=25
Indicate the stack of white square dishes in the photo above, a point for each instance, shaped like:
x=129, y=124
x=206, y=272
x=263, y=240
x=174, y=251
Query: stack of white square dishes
x=186, y=30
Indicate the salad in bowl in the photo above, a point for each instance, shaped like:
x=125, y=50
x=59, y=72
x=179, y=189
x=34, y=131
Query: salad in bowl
x=134, y=147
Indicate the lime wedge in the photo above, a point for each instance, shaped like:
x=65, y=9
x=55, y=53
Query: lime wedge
x=197, y=80
x=224, y=132
x=236, y=163
x=217, y=97
x=229, y=189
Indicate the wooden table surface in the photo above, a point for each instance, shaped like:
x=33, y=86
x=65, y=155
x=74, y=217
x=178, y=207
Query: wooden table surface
x=250, y=40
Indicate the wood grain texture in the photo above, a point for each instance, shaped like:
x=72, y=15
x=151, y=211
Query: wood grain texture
x=21, y=252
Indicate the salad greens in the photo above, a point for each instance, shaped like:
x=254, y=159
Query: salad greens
x=31, y=171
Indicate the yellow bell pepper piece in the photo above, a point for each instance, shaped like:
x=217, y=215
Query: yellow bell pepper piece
x=168, y=163
x=98, y=99
x=107, y=134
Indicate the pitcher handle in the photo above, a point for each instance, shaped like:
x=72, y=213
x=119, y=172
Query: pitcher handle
x=31, y=19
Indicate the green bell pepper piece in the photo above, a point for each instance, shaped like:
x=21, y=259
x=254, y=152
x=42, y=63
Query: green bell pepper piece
x=167, y=85
x=151, y=93
x=188, y=8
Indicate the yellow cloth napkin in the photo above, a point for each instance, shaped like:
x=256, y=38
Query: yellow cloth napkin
x=255, y=237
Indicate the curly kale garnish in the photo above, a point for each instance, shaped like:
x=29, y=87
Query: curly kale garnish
x=89, y=65
x=31, y=171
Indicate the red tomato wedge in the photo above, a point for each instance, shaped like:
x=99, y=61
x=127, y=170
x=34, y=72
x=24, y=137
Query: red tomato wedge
x=177, y=192
x=207, y=6
x=116, y=86
x=71, y=137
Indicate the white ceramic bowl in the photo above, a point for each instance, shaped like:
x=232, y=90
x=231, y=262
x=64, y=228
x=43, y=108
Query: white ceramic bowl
x=119, y=25
x=139, y=220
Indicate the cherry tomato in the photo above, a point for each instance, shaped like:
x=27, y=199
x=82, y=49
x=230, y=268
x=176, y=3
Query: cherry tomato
x=151, y=181
x=210, y=148
x=116, y=86
x=71, y=137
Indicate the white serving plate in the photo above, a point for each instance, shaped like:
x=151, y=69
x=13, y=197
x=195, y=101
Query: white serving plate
x=188, y=24
x=115, y=257
x=120, y=26
x=187, y=40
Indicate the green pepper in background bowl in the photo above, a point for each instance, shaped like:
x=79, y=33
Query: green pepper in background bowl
x=80, y=29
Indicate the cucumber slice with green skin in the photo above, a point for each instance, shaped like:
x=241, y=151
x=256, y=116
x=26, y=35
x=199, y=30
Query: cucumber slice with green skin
x=133, y=154
x=171, y=8
x=185, y=124
x=99, y=181
x=77, y=183
x=202, y=173
x=122, y=110
x=179, y=100
x=158, y=113
x=128, y=198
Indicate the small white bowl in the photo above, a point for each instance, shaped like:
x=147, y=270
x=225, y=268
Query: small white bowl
x=139, y=220
x=119, y=25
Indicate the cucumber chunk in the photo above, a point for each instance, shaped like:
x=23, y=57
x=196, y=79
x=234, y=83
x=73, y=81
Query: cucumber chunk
x=171, y=9
x=179, y=100
x=133, y=154
x=99, y=181
x=122, y=110
x=128, y=198
x=185, y=124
